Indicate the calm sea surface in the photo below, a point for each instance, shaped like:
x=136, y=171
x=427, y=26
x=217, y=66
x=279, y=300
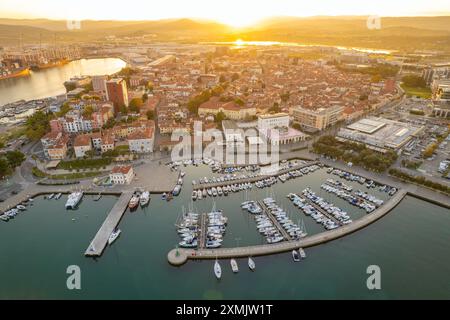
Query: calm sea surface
x=411, y=246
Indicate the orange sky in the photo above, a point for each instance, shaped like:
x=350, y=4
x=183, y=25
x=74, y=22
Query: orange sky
x=232, y=12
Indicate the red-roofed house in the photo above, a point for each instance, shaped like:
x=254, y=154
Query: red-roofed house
x=55, y=145
x=141, y=141
x=231, y=109
x=121, y=175
x=82, y=145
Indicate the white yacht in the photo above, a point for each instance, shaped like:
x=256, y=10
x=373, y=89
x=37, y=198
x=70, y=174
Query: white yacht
x=302, y=253
x=251, y=264
x=114, y=235
x=144, y=199
x=74, y=199
x=217, y=270
x=234, y=266
x=295, y=256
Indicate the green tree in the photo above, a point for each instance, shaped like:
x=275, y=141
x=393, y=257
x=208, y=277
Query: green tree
x=135, y=105
x=65, y=108
x=144, y=97
x=15, y=158
x=37, y=125
x=4, y=168
x=123, y=110
x=88, y=111
x=150, y=115
x=220, y=117
x=275, y=108
x=109, y=124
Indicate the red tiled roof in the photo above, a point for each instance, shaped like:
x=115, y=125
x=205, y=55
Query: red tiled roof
x=121, y=169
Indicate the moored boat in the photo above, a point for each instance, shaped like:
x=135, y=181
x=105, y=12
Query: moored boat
x=74, y=199
x=251, y=264
x=134, y=201
x=234, y=266
x=114, y=235
x=295, y=256
x=144, y=199
x=217, y=269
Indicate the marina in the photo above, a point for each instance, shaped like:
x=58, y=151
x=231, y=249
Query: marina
x=151, y=230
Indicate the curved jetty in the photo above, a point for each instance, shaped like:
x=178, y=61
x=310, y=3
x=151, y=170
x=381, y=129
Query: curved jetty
x=178, y=257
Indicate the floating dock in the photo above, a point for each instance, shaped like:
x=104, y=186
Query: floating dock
x=178, y=257
x=322, y=211
x=275, y=222
x=100, y=240
x=202, y=235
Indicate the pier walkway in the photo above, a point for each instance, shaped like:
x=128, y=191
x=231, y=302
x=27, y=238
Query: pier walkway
x=180, y=256
x=100, y=240
x=322, y=211
x=275, y=222
x=202, y=236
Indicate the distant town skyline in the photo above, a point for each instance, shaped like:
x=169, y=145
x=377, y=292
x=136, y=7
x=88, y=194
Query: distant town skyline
x=234, y=12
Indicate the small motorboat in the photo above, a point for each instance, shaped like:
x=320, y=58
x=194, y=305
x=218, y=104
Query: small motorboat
x=58, y=196
x=234, y=266
x=98, y=197
x=251, y=264
x=302, y=253
x=50, y=196
x=295, y=256
x=145, y=198
x=217, y=270
x=133, y=202
x=164, y=196
x=21, y=207
x=114, y=235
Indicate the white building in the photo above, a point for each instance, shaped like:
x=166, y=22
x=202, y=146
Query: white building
x=121, y=175
x=318, y=119
x=82, y=145
x=141, y=141
x=272, y=121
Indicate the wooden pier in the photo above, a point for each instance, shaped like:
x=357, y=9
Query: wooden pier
x=100, y=240
x=275, y=222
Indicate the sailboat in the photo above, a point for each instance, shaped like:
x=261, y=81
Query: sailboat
x=251, y=264
x=217, y=269
x=234, y=266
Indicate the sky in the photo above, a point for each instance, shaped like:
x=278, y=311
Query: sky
x=236, y=13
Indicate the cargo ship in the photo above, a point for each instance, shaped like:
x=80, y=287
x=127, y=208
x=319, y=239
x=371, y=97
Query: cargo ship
x=8, y=73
